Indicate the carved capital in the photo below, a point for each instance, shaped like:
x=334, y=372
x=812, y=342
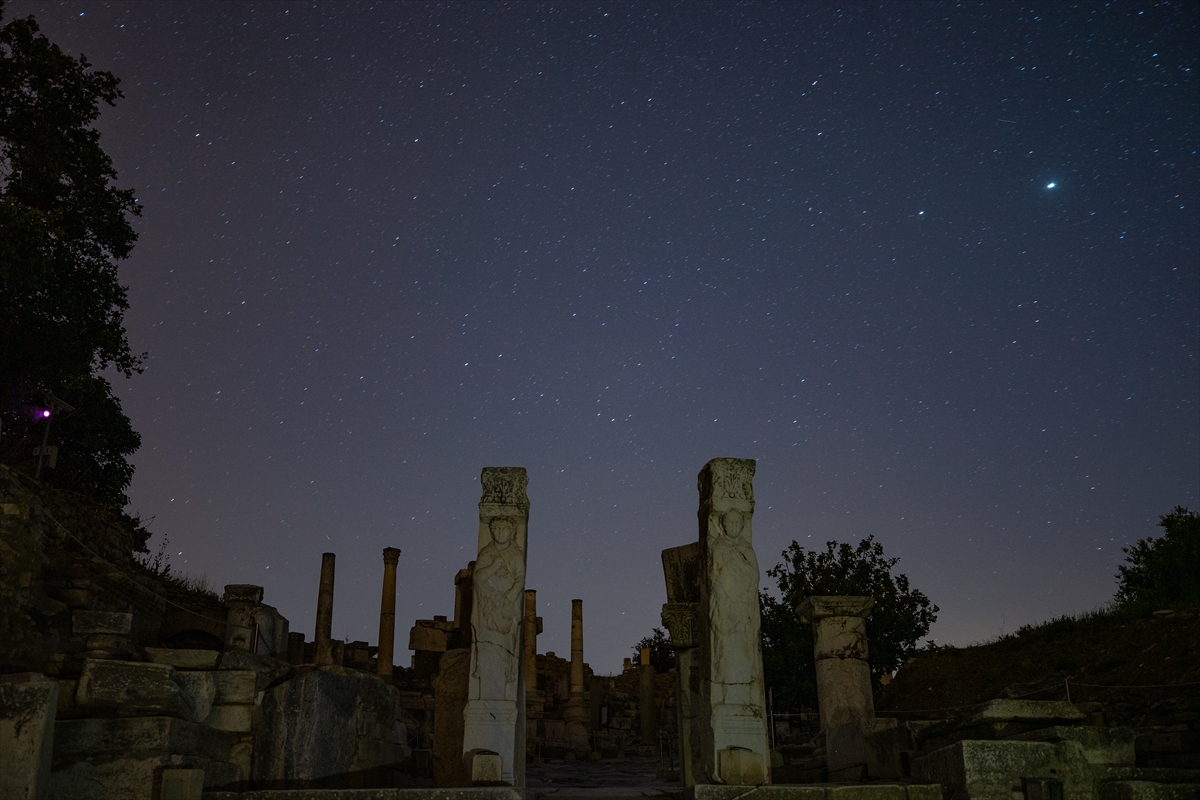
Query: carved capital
x=391, y=556
x=682, y=619
x=504, y=486
x=724, y=479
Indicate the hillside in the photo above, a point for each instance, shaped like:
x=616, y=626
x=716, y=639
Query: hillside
x=1132, y=664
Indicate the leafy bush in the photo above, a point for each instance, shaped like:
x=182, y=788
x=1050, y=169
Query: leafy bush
x=1163, y=571
x=662, y=657
x=900, y=618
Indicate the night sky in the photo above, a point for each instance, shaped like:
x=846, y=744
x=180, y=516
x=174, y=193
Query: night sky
x=933, y=266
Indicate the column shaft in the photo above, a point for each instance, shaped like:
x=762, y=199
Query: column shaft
x=387, y=613
x=324, y=627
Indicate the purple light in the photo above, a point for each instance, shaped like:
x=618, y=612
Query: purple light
x=46, y=413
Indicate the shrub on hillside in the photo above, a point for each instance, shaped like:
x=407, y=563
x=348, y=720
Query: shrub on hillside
x=1163, y=571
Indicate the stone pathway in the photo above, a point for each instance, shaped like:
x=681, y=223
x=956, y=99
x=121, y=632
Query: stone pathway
x=610, y=777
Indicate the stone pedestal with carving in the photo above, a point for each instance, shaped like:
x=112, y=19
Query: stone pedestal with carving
x=840, y=650
x=494, y=718
x=323, y=634
x=387, y=614
x=732, y=746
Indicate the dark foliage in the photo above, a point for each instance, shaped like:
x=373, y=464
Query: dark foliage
x=1166, y=570
x=662, y=657
x=63, y=227
x=900, y=618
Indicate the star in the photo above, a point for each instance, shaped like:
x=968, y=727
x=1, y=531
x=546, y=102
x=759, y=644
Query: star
x=1051, y=185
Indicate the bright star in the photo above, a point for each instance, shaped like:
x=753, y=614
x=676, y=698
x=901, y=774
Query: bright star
x=1051, y=185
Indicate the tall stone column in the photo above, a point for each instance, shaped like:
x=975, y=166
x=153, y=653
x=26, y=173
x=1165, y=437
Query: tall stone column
x=494, y=717
x=533, y=700
x=732, y=748
x=322, y=638
x=647, y=712
x=840, y=650
x=576, y=713
x=680, y=620
x=387, y=614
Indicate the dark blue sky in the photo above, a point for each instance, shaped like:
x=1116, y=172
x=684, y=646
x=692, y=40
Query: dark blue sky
x=933, y=265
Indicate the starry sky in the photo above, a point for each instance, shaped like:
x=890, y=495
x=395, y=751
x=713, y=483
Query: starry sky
x=933, y=265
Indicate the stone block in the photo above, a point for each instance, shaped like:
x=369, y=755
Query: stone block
x=428, y=639
x=102, y=740
x=182, y=784
x=741, y=766
x=923, y=791
x=331, y=700
x=1149, y=790
x=268, y=668
x=1113, y=747
x=130, y=778
x=450, y=698
x=869, y=792
x=90, y=622
x=989, y=770
x=242, y=593
x=129, y=688
x=487, y=768
x=1025, y=710
x=28, y=703
x=236, y=719
x=184, y=659
x=196, y=690
x=235, y=686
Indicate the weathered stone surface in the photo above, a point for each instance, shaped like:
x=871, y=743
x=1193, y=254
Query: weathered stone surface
x=182, y=784
x=450, y=698
x=681, y=570
x=1149, y=790
x=131, y=778
x=236, y=719
x=184, y=659
x=733, y=700
x=197, y=690
x=268, y=668
x=1050, y=710
x=858, y=743
x=129, y=688
x=1113, y=747
x=327, y=723
x=988, y=770
x=110, y=739
x=840, y=650
x=475, y=793
x=235, y=686
x=877, y=791
x=89, y=622
x=28, y=702
x=494, y=718
x=422, y=638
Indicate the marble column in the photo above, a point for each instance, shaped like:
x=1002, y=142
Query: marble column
x=840, y=650
x=494, y=717
x=322, y=638
x=732, y=748
x=680, y=620
x=387, y=614
x=533, y=702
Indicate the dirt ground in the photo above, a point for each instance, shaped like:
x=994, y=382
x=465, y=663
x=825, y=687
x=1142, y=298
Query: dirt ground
x=1131, y=665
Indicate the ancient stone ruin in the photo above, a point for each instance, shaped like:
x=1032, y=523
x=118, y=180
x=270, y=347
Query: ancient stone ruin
x=118, y=682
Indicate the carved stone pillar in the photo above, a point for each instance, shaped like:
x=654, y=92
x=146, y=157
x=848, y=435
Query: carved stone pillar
x=576, y=709
x=322, y=638
x=494, y=718
x=680, y=620
x=240, y=601
x=840, y=650
x=387, y=614
x=733, y=746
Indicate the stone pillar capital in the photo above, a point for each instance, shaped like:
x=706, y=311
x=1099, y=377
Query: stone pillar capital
x=814, y=609
x=391, y=556
x=681, y=620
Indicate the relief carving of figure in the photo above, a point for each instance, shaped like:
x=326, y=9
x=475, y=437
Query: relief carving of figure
x=733, y=603
x=498, y=579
